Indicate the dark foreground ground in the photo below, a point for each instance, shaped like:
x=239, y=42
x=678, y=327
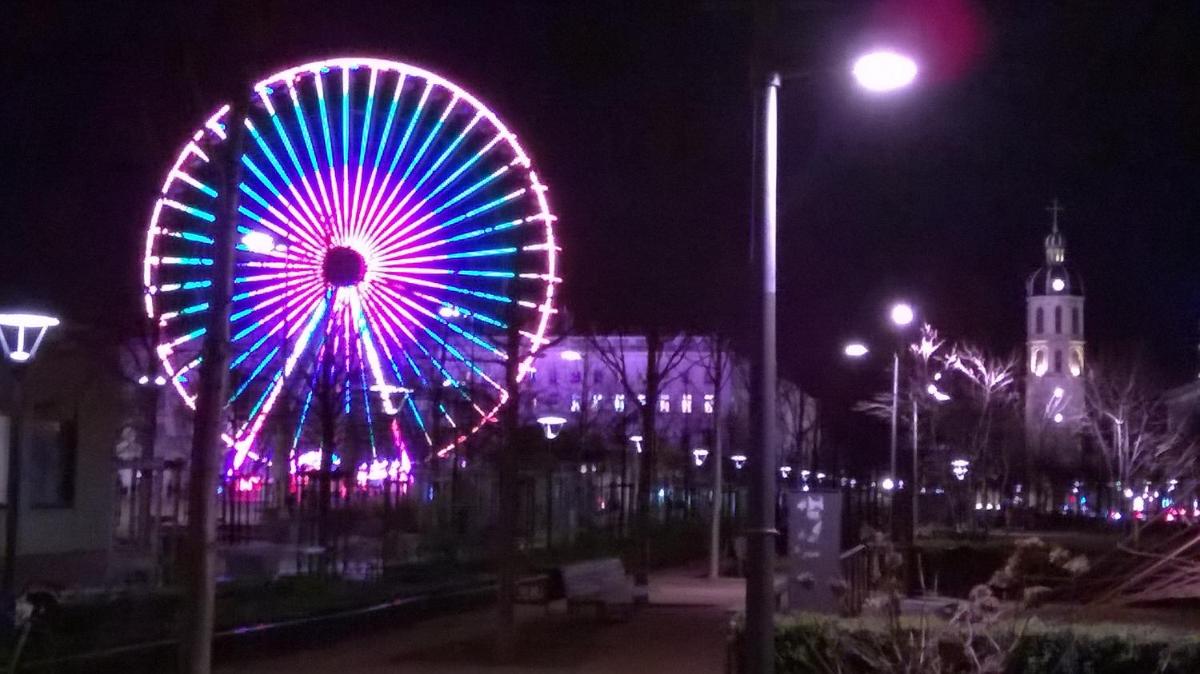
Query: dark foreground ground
x=684, y=629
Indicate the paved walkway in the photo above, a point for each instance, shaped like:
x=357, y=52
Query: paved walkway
x=682, y=630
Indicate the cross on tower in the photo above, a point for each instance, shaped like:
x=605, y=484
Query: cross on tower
x=1055, y=209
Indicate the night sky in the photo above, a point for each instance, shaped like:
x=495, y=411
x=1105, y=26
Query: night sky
x=639, y=117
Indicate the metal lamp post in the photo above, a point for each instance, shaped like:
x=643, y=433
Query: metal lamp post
x=551, y=428
x=27, y=332
x=878, y=71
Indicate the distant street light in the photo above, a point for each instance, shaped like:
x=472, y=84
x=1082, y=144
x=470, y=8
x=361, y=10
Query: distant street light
x=258, y=242
x=902, y=314
x=699, y=455
x=637, y=442
x=887, y=484
x=739, y=460
x=855, y=350
x=552, y=427
x=960, y=467
x=27, y=331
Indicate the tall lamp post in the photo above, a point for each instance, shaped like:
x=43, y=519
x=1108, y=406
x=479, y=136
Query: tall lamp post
x=27, y=331
x=877, y=71
x=551, y=428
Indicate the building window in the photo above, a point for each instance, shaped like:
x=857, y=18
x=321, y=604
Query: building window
x=642, y=399
x=710, y=403
x=1058, y=361
x=576, y=377
x=1075, y=321
x=664, y=403
x=1037, y=361
x=1076, y=361
x=1058, y=320
x=619, y=402
x=576, y=403
x=685, y=403
x=1039, y=321
x=597, y=399
x=52, y=450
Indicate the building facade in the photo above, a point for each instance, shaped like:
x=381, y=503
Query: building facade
x=1054, y=381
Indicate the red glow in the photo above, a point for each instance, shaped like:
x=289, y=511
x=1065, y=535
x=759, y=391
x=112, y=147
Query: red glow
x=947, y=37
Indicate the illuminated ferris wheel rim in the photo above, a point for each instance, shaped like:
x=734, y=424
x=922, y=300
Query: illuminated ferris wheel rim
x=215, y=124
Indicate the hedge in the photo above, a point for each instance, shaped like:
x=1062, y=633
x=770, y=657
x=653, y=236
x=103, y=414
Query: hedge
x=812, y=644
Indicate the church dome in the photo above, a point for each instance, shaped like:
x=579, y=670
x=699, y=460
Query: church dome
x=1054, y=278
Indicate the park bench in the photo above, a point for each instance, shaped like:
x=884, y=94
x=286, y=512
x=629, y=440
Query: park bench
x=601, y=583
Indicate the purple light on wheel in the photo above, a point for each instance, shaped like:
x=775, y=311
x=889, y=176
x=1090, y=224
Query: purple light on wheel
x=390, y=229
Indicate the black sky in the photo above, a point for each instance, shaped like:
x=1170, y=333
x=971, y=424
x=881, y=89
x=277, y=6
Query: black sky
x=639, y=117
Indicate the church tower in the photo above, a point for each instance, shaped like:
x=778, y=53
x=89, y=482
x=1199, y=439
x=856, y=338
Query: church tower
x=1054, y=383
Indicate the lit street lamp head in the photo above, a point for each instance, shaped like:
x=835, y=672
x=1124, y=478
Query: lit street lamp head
x=24, y=344
x=882, y=71
x=551, y=426
x=855, y=350
x=902, y=314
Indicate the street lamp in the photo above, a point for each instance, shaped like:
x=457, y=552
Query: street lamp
x=738, y=460
x=884, y=70
x=27, y=331
x=877, y=71
x=699, y=455
x=960, y=467
x=855, y=350
x=552, y=427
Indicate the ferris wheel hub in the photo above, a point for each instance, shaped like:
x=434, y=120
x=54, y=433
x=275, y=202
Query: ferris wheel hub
x=343, y=266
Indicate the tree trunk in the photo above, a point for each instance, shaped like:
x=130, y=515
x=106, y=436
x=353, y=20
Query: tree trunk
x=718, y=456
x=649, y=455
x=195, y=646
x=506, y=626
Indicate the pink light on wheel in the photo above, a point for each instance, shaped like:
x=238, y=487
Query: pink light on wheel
x=390, y=228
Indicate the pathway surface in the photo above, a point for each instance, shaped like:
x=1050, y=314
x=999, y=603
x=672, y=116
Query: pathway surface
x=682, y=630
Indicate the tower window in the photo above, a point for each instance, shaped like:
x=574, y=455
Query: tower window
x=1076, y=361
x=1075, y=321
x=1058, y=361
x=1058, y=320
x=1038, y=361
x=1039, y=321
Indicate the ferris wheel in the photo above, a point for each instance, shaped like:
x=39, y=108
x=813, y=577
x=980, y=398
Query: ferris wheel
x=391, y=232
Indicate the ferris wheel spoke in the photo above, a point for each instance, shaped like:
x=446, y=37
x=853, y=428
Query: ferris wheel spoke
x=336, y=223
x=301, y=225
x=431, y=171
x=266, y=401
x=360, y=223
x=498, y=228
x=413, y=119
x=478, y=155
x=298, y=109
x=303, y=203
x=361, y=158
x=316, y=205
x=398, y=307
x=396, y=242
x=389, y=205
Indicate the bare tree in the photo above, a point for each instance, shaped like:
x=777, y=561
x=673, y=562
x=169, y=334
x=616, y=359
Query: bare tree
x=1126, y=419
x=664, y=353
x=717, y=360
x=991, y=390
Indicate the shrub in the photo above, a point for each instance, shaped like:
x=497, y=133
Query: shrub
x=818, y=645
